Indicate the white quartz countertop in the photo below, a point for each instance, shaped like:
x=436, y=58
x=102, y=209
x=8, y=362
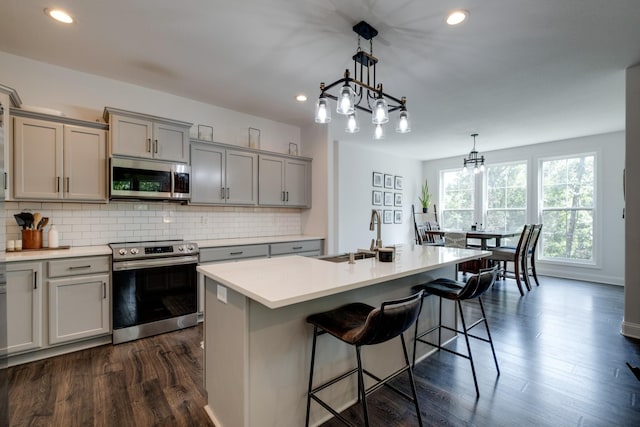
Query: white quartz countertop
x=37, y=255
x=282, y=281
x=254, y=240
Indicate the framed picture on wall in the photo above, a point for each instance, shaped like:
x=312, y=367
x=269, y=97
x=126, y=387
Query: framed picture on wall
x=388, y=217
x=397, y=217
x=397, y=200
x=398, y=183
x=388, y=181
x=388, y=199
x=377, y=179
x=376, y=199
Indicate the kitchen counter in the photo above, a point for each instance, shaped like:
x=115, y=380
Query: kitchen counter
x=36, y=255
x=257, y=339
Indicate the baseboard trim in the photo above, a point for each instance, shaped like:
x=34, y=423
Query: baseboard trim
x=630, y=330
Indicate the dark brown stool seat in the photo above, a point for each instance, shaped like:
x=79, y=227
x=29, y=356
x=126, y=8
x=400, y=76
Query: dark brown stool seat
x=454, y=290
x=360, y=324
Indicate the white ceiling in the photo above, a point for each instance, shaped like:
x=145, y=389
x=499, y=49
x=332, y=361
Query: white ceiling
x=518, y=72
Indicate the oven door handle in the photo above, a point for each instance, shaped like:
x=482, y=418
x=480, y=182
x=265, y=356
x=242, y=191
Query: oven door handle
x=156, y=262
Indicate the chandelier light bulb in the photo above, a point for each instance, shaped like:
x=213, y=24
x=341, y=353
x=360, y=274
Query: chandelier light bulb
x=323, y=112
x=403, y=122
x=475, y=169
x=352, y=124
x=380, y=112
x=346, y=100
x=379, y=132
x=482, y=167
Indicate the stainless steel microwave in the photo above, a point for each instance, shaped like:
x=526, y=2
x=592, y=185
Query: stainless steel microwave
x=147, y=179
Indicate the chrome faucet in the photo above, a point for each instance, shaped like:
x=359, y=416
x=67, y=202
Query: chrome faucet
x=375, y=215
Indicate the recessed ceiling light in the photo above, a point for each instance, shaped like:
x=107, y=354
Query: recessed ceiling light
x=457, y=17
x=59, y=15
x=301, y=98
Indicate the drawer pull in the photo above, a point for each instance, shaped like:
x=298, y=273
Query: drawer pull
x=79, y=267
x=296, y=248
x=236, y=253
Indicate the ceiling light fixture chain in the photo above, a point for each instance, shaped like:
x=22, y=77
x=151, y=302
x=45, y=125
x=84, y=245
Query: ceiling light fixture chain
x=358, y=88
x=474, y=158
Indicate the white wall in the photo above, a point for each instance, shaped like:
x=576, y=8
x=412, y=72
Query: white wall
x=631, y=323
x=610, y=152
x=355, y=166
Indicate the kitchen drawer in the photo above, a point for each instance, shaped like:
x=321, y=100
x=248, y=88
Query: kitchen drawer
x=290, y=248
x=228, y=253
x=78, y=266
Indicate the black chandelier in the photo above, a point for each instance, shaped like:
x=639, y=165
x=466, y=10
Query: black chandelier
x=358, y=94
x=474, y=159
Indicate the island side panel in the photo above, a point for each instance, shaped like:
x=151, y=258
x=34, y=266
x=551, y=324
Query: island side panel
x=226, y=352
x=280, y=352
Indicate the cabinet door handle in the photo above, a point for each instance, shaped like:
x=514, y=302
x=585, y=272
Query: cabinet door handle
x=104, y=290
x=155, y=149
x=283, y=196
x=228, y=193
x=222, y=193
x=236, y=253
x=287, y=197
x=57, y=184
x=149, y=145
x=79, y=267
x=35, y=280
x=5, y=180
x=68, y=184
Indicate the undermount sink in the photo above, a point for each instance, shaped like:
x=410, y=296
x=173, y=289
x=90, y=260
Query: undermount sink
x=345, y=257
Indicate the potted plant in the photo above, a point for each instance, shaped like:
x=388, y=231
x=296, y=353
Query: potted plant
x=425, y=197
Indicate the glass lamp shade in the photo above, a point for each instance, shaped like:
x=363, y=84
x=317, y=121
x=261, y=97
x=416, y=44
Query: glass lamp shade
x=378, y=133
x=352, y=124
x=482, y=167
x=380, y=113
x=403, y=125
x=323, y=112
x=346, y=100
x=475, y=169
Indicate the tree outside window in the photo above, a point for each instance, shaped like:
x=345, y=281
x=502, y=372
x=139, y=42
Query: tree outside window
x=458, y=200
x=567, y=203
x=506, y=198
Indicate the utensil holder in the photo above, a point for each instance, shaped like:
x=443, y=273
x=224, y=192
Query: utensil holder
x=31, y=239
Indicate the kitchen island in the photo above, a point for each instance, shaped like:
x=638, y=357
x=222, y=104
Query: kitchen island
x=258, y=345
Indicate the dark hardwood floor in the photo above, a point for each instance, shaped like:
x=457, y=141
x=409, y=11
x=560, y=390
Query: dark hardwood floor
x=155, y=381
x=562, y=362
x=560, y=351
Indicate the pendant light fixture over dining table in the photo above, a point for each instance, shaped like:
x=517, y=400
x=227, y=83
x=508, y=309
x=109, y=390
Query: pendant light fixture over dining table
x=362, y=92
x=474, y=159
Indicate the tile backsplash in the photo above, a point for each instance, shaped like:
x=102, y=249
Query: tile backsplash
x=86, y=224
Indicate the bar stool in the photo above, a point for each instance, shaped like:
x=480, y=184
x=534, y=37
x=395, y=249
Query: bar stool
x=360, y=324
x=457, y=291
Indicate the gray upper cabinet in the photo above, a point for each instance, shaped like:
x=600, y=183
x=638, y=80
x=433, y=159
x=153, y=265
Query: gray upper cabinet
x=144, y=136
x=223, y=175
x=54, y=161
x=284, y=181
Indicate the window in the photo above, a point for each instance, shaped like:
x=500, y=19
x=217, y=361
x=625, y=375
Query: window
x=458, y=201
x=506, y=196
x=567, y=203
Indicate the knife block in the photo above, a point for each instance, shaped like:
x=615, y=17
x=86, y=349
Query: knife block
x=31, y=239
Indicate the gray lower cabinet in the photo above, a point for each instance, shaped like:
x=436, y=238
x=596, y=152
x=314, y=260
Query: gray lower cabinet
x=56, y=302
x=284, y=181
x=304, y=248
x=79, y=298
x=223, y=176
x=23, y=300
x=55, y=161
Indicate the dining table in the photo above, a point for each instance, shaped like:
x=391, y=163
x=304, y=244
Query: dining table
x=483, y=235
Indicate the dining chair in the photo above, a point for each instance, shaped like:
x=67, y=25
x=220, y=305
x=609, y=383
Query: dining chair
x=517, y=256
x=531, y=252
x=459, y=240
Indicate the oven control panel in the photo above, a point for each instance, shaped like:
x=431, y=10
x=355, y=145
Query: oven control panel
x=139, y=250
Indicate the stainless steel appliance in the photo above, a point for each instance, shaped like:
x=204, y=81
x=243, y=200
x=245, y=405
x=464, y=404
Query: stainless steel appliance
x=154, y=288
x=148, y=179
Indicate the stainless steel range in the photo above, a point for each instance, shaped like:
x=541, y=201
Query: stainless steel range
x=154, y=288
